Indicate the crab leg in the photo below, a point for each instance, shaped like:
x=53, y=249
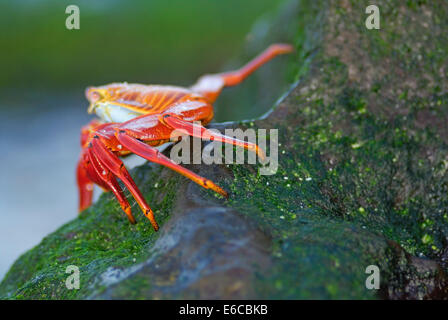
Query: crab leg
x=234, y=78
x=111, y=161
x=85, y=186
x=210, y=85
x=107, y=176
x=153, y=155
x=199, y=131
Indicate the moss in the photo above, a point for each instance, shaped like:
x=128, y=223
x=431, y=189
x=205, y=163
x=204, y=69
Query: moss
x=345, y=163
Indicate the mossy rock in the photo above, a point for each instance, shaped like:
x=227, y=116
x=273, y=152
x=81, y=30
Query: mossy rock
x=362, y=180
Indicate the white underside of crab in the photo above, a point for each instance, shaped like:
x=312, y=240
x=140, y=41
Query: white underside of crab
x=109, y=112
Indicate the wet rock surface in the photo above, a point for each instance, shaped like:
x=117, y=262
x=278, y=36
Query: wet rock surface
x=204, y=251
x=362, y=180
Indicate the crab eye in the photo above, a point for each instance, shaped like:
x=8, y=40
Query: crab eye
x=93, y=94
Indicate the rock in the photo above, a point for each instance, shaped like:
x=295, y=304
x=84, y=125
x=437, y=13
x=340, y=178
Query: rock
x=362, y=180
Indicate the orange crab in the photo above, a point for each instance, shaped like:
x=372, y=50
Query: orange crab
x=136, y=118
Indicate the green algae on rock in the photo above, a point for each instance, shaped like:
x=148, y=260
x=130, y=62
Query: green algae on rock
x=362, y=180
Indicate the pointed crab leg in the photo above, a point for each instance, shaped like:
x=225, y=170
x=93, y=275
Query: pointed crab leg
x=85, y=186
x=153, y=155
x=111, y=161
x=199, y=131
x=234, y=78
x=210, y=85
x=107, y=176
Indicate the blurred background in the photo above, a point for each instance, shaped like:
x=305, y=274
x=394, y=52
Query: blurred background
x=44, y=69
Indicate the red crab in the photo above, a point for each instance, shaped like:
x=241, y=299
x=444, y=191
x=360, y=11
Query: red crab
x=136, y=118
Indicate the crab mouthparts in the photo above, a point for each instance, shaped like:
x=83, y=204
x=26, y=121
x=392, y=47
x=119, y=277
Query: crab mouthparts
x=91, y=108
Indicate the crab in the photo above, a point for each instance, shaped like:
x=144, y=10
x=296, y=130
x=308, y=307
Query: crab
x=136, y=118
